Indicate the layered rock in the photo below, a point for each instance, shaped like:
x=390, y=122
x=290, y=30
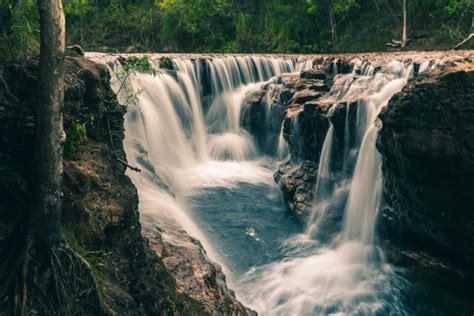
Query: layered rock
x=300, y=111
x=296, y=181
x=288, y=105
x=264, y=111
x=307, y=116
x=427, y=143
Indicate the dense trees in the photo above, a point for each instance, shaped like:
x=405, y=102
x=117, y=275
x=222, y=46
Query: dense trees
x=337, y=10
x=242, y=25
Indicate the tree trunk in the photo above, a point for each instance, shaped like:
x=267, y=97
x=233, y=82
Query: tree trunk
x=82, y=25
x=404, y=35
x=46, y=213
x=332, y=20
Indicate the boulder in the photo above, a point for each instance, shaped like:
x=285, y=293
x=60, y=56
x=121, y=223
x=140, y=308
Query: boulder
x=305, y=131
x=427, y=144
x=297, y=181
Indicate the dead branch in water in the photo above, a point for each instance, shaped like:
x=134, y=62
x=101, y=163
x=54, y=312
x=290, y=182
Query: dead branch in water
x=128, y=166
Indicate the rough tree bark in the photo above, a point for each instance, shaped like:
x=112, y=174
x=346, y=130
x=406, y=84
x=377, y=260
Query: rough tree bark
x=332, y=20
x=404, y=32
x=46, y=215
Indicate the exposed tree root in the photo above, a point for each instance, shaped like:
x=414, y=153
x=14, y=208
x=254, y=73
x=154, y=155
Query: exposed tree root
x=60, y=283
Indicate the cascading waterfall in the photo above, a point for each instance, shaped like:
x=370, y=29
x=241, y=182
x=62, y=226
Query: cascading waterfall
x=345, y=274
x=282, y=148
x=185, y=140
x=366, y=187
x=232, y=78
x=323, y=188
x=189, y=137
x=187, y=76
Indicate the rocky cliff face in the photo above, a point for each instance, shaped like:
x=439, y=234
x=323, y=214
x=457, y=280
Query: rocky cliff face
x=427, y=143
x=100, y=208
x=296, y=105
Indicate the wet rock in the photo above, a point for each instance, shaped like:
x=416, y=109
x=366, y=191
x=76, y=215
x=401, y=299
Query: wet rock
x=320, y=86
x=305, y=124
x=344, y=119
x=427, y=143
x=305, y=131
x=253, y=112
x=304, y=96
x=296, y=181
x=193, y=271
x=342, y=66
x=166, y=63
x=264, y=111
x=313, y=74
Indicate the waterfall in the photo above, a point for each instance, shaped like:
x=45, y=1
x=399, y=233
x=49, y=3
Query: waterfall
x=342, y=273
x=187, y=75
x=366, y=187
x=183, y=129
x=323, y=188
x=232, y=78
x=177, y=130
x=366, y=181
x=282, y=148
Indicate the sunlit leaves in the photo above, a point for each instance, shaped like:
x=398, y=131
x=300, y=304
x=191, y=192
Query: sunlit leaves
x=456, y=7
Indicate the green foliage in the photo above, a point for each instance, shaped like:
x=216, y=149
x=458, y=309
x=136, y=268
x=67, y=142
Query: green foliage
x=139, y=64
x=339, y=7
x=166, y=63
x=76, y=134
x=90, y=257
x=227, y=26
x=19, y=30
x=342, y=7
x=79, y=8
x=456, y=7
x=206, y=24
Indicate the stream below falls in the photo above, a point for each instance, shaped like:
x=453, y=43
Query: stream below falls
x=203, y=173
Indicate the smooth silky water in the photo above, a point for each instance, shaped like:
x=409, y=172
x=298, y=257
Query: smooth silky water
x=223, y=191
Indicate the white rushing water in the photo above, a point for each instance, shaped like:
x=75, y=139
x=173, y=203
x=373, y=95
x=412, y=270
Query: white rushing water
x=189, y=140
x=347, y=274
x=186, y=140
